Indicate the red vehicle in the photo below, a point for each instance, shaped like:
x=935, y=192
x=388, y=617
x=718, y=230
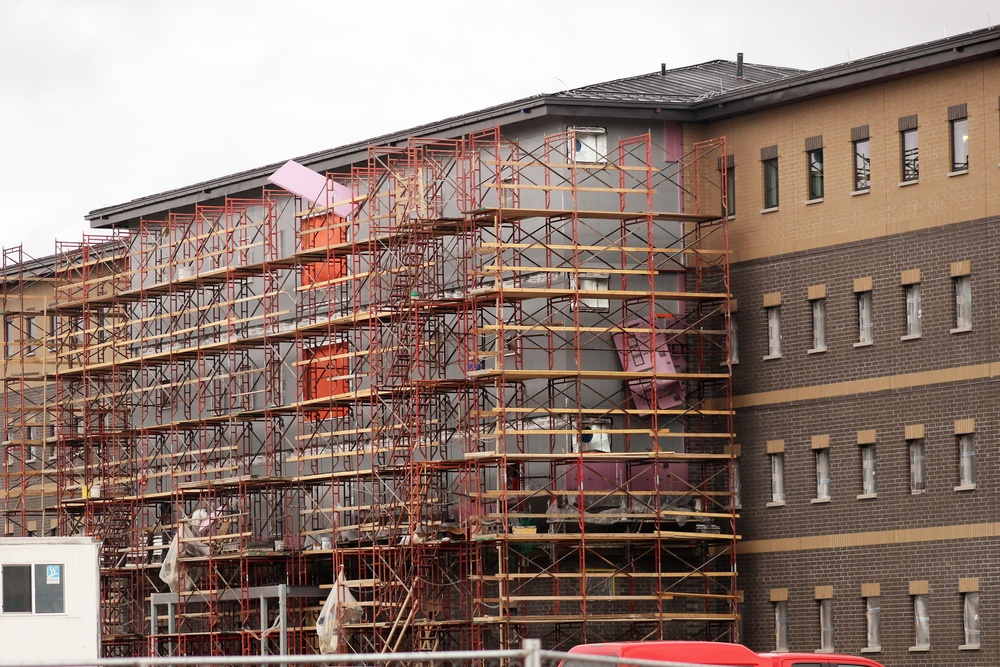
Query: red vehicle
x=717, y=653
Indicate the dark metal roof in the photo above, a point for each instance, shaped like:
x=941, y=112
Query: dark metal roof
x=683, y=85
x=699, y=93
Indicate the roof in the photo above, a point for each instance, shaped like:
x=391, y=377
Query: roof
x=683, y=85
x=700, y=93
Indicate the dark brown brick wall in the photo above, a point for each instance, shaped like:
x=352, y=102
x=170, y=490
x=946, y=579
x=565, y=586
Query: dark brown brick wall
x=882, y=259
x=936, y=406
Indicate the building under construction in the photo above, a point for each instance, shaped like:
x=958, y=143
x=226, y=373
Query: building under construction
x=474, y=389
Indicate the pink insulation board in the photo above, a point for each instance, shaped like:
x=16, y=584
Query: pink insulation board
x=314, y=186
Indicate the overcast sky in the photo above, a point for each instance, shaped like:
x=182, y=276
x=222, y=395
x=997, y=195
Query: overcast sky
x=103, y=101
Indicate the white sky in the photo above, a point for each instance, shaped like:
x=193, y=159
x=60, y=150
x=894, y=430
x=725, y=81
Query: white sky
x=103, y=101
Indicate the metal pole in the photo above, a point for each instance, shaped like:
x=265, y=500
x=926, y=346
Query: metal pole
x=532, y=648
x=283, y=615
x=263, y=625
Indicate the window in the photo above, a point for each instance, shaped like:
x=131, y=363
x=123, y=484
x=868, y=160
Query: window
x=963, y=303
x=588, y=145
x=737, y=486
x=734, y=348
x=35, y=589
x=592, y=283
x=873, y=622
x=860, y=140
x=869, y=467
x=8, y=336
x=773, y=331
x=729, y=193
x=958, y=118
x=914, y=312
x=818, y=324
x=781, y=625
x=909, y=147
x=866, y=321
x=826, y=625
x=970, y=607
x=822, y=474
x=778, y=478
x=921, y=622
x=53, y=330
x=771, y=183
x=815, y=160
x=731, y=190
x=966, y=460
x=918, y=466
x=29, y=335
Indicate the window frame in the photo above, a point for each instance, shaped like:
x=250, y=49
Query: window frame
x=733, y=348
x=591, y=282
x=34, y=590
x=910, y=168
x=814, y=180
x=774, y=342
x=730, y=190
x=772, y=190
x=917, y=456
x=921, y=622
x=914, y=310
x=862, y=164
x=957, y=125
x=971, y=620
x=966, y=460
x=963, y=303
x=866, y=317
x=780, y=626
x=869, y=470
x=779, y=493
x=873, y=623
x=823, y=476
x=575, y=145
x=818, y=311
x=826, y=626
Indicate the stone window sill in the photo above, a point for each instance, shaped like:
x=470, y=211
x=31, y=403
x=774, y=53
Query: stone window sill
x=919, y=649
x=768, y=210
x=866, y=344
x=872, y=649
x=960, y=330
x=819, y=501
x=867, y=496
x=810, y=202
x=775, y=503
x=969, y=647
x=816, y=350
x=959, y=172
x=861, y=192
x=772, y=356
x=911, y=337
x=965, y=487
x=904, y=184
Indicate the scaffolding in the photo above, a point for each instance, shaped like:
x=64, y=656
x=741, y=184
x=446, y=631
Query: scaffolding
x=485, y=388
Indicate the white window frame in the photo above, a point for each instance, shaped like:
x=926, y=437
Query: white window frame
x=921, y=622
x=873, y=623
x=29, y=335
x=866, y=318
x=963, y=303
x=818, y=307
x=588, y=145
x=822, y=474
x=970, y=620
x=592, y=282
x=781, y=626
x=826, y=626
x=737, y=485
x=914, y=311
x=966, y=461
x=778, y=493
x=734, y=348
x=917, y=452
x=869, y=471
x=773, y=332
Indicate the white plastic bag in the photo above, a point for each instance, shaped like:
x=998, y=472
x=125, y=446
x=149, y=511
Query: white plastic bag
x=340, y=608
